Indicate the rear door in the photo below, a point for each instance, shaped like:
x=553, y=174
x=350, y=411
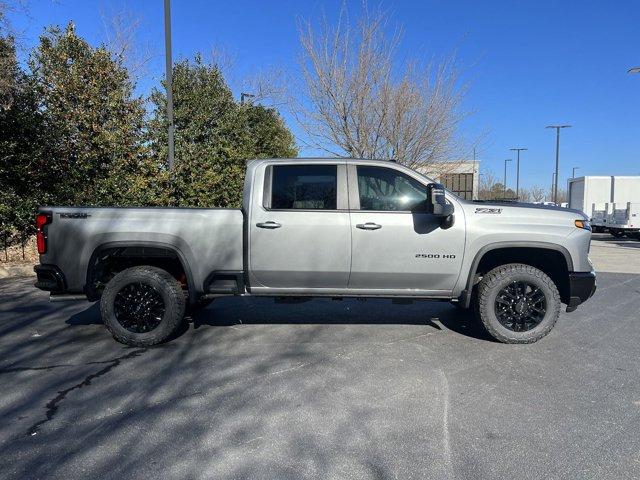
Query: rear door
x=299, y=230
x=394, y=249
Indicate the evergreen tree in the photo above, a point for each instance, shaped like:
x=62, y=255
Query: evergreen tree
x=94, y=123
x=214, y=136
x=22, y=138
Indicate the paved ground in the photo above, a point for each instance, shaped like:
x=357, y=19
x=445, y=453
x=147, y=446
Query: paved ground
x=610, y=254
x=320, y=390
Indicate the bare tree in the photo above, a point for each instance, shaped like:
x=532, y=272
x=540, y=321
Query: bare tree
x=360, y=103
x=525, y=195
x=537, y=193
x=562, y=196
x=486, y=185
x=120, y=37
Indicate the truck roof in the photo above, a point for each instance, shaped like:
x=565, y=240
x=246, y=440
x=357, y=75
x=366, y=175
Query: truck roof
x=322, y=159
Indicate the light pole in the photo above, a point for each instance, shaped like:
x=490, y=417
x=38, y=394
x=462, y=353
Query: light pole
x=245, y=95
x=634, y=70
x=517, y=170
x=504, y=194
x=573, y=171
x=169, y=78
x=555, y=184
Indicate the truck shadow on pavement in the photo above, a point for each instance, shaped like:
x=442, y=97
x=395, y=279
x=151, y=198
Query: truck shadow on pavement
x=228, y=312
x=437, y=315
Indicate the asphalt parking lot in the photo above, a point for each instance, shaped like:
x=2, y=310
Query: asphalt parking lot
x=323, y=389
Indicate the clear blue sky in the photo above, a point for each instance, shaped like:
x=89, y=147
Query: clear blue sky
x=528, y=63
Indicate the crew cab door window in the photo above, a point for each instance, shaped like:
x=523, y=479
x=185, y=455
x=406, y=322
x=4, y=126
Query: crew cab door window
x=388, y=190
x=304, y=187
x=299, y=229
x=397, y=247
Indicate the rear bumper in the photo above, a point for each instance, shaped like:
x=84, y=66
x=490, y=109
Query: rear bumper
x=582, y=286
x=50, y=279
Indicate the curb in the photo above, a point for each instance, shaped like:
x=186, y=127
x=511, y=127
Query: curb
x=17, y=271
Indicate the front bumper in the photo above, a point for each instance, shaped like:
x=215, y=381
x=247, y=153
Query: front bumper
x=582, y=286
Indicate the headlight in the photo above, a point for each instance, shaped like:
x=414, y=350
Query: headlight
x=585, y=224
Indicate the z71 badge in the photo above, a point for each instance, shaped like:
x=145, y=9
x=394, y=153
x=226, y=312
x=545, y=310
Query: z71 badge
x=488, y=210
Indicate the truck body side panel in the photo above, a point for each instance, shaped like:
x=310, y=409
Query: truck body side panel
x=205, y=239
x=502, y=226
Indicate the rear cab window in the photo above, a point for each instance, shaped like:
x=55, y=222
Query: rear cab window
x=302, y=187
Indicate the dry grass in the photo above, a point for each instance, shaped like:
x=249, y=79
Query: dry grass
x=14, y=255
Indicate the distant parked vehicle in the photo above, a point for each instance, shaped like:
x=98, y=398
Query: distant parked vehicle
x=595, y=196
x=625, y=220
x=600, y=216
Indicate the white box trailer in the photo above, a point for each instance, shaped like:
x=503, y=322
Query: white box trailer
x=599, y=215
x=625, y=219
x=595, y=196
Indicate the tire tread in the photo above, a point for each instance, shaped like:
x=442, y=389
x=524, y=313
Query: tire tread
x=496, y=275
x=163, y=331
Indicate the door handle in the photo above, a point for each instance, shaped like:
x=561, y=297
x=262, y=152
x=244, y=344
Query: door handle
x=368, y=226
x=269, y=225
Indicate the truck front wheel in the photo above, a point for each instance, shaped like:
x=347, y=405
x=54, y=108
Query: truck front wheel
x=517, y=303
x=142, y=306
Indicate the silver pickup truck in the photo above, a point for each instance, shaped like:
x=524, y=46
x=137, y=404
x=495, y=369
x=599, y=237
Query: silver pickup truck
x=320, y=228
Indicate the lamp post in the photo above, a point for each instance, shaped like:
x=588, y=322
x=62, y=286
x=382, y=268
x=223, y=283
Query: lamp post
x=245, y=95
x=504, y=194
x=555, y=183
x=169, y=78
x=517, y=170
x=634, y=70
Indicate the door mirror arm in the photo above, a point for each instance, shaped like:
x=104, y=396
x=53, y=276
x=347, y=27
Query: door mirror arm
x=436, y=204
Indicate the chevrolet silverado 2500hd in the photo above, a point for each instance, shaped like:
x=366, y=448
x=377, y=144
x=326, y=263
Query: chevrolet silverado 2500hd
x=320, y=228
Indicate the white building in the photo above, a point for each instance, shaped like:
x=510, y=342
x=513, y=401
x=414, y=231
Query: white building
x=459, y=177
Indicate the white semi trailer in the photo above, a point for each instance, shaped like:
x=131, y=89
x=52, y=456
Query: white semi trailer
x=596, y=196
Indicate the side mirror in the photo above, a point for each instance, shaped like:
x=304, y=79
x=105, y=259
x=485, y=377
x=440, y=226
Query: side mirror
x=436, y=202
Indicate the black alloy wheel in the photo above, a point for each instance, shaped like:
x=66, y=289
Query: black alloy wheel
x=520, y=306
x=139, y=307
x=517, y=303
x=143, y=306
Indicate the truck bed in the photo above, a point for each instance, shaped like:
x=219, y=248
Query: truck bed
x=206, y=240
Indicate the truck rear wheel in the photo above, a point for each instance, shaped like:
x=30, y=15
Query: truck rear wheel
x=518, y=303
x=142, y=306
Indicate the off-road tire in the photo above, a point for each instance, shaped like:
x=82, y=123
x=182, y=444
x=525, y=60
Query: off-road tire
x=494, y=281
x=165, y=285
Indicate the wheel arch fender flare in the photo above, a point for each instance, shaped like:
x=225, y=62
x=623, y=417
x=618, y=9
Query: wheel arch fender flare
x=465, y=297
x=191, y=285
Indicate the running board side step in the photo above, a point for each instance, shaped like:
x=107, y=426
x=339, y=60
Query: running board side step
x=67, y=297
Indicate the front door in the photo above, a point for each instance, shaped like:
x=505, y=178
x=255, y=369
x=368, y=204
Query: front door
x=394, y=249
x=299, y=230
